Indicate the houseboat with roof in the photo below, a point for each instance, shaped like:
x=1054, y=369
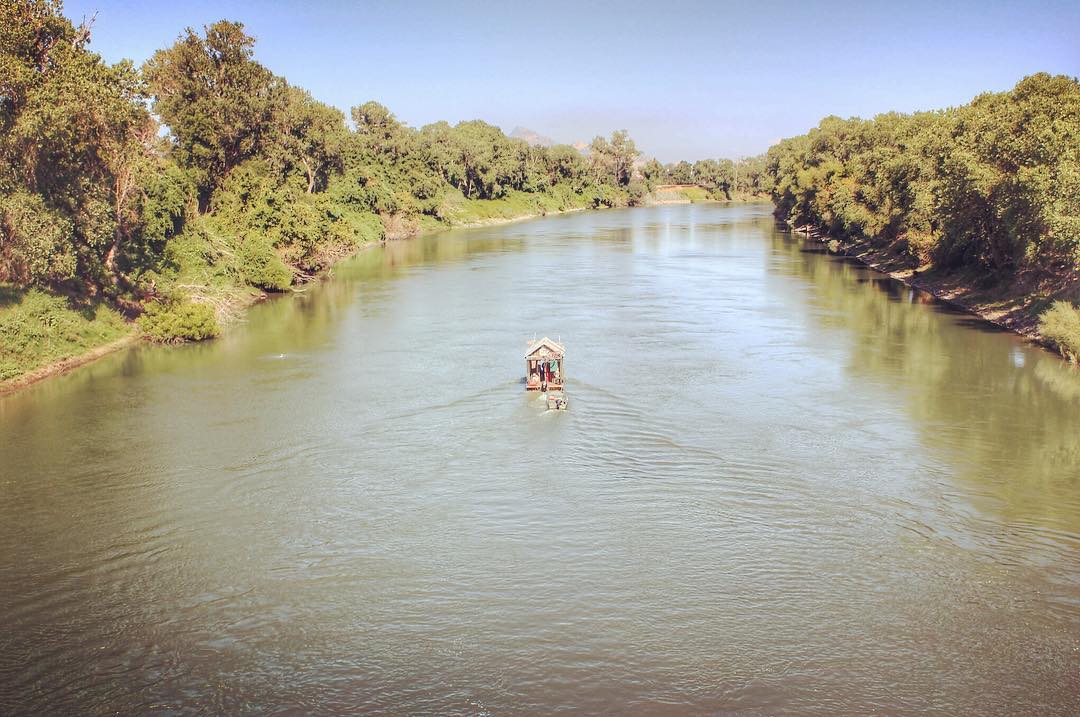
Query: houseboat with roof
x=544, y=370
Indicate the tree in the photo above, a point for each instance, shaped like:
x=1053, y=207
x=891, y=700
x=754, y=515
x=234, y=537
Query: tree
x=443, y=155
x=308, y=135
x=993, y=184
x=35, y=242
x=612, y=160
x=33, y=38
x=217, y=101
x=381, y=133
x=76, y=144
x=1006, y=182
x=681, y=172
x=476, y=158
x=565, y=165
x=653, y=172
x=713, y=175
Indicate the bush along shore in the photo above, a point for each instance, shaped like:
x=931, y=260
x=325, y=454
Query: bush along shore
x=978, y=204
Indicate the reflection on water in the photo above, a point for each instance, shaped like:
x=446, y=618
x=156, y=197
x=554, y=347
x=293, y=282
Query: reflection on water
x=1002, y=414
x=784, y=485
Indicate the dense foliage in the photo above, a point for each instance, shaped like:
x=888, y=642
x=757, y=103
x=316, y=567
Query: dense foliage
x=994, y=184
x=248, y=181
x=250, y=184
x=86, y=194
x=173, y=321
x=991, y=188
x=1061, y=324
x=721, y=178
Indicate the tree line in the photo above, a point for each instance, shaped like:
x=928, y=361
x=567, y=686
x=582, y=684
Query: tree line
x=203, y=167
x=994, y=184
x=203, y=171
x=990, y=189
x=722, y=178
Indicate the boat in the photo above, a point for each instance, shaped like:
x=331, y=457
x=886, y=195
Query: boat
x=556, y=400
x=544, y=371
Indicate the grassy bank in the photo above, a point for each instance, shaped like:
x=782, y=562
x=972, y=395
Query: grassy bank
x=679, y=194
x=456, y=211
x=692, y=193
x=39, y=330
x=42, y=334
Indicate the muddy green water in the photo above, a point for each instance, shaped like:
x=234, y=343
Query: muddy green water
x=784, y=485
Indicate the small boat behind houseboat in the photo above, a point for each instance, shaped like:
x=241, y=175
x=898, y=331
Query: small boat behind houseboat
x=556, y=400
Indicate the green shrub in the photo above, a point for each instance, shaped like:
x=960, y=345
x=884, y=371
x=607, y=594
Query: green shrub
x=696, y=194
x=354, y=227
x=262, y=267
x=1061, y=324
x=564, y=197
x=178, y=321
x=921, y=245
x=607, y=196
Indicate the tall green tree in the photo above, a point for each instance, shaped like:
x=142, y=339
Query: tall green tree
x=308, y=136
x=217, y=101
x=653, y=172
x=612, y=161
x=381, y=132
x=565, y=165
x=681, y=172
x=77, y=145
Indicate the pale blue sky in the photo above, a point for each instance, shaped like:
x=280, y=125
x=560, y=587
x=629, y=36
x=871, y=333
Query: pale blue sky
x=687, y=79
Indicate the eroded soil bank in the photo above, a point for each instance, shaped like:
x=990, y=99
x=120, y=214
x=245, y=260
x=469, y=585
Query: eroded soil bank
x=1015, y=304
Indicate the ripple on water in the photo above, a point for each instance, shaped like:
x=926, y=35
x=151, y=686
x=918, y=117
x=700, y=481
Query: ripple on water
x=777, y=490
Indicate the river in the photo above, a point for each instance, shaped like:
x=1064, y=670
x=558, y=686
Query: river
x=784, y=485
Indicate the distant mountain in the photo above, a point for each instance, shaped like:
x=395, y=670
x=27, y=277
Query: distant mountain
x=533, y=138
x=539, y=140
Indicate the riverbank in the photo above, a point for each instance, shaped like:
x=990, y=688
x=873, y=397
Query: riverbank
x=67, y=364
x=1015, y=305
x=42, y=334
x=42, y=337
x=693, y=194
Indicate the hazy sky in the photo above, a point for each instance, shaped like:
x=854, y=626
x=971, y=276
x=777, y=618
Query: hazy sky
x=687, y=79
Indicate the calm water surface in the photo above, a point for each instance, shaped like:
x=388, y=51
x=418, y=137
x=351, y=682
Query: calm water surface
x=784, y=486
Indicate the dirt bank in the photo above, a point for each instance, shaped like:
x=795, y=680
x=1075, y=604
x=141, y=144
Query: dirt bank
x=1014, y=304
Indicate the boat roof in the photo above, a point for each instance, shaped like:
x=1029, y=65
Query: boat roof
x=553, y=346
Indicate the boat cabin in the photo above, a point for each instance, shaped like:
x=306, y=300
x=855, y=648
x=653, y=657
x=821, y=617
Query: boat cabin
x=544, y=365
